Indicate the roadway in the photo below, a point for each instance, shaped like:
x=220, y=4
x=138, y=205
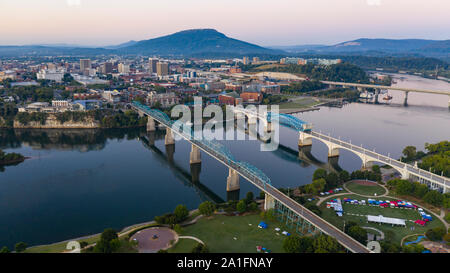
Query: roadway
x=289, y=76
x=384, y=159
x=253, y=177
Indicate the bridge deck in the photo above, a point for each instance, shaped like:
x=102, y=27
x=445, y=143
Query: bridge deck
x=347, y=241
x=386, y=160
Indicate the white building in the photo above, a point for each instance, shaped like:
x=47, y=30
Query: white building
x=60, y=103
x=165, y=99
x=123, y=68
x=51, y=75
x=111, y=96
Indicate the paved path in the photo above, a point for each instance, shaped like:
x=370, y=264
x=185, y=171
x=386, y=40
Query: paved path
x=192, y=238
x=386, y=191
x=322, y=199
x=379, y=231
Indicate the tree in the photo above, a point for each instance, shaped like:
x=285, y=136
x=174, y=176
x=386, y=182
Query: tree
x=20, y=247
x=404, y=187
x=325, y=244
x=389, y=247
x=409, y=152
x=177, y=228
x=413, y=248
x=241, y=206
x=181, y=213
x=262, y=195
x=447, y=217
x=249, y=197
x=268, y=215
x=5, y=249
x=358, y=233
x=206, y=208
x=434, y=198
x=319, y=173
x=319, y=185
x=435, y=234
x=306, y=244
x=200, y=248
x=344, y=176
x=292, y=244
x=332, y=180
x=108, y=242
x=420, y=190
x=376, y=169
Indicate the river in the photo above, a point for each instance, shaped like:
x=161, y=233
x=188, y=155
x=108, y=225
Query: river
x=79, y=182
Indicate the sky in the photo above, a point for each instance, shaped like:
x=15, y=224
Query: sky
x=263, y=22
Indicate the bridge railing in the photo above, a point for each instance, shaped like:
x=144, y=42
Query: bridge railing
x=385, y=159
x=216, y=149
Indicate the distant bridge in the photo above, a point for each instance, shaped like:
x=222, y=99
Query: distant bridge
x=359, y=86
x=290, y=209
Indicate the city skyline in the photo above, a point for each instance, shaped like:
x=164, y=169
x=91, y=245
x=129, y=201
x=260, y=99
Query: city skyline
x=286, y=22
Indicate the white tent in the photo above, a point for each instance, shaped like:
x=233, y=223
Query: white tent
x=386, y=220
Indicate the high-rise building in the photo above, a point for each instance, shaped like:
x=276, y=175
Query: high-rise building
x=162, y=69
x=123, y=68
x=255, y=60
x=152, y=65
x=245, y=60
x=85, y=64
x=106, y=68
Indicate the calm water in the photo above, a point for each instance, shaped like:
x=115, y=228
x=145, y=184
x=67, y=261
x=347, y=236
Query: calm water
x=79, y=182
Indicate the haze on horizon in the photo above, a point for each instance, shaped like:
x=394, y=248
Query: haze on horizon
x=263, y=22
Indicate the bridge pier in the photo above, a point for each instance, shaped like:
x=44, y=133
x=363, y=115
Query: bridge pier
x=170, y=150
x=151, y=135
x=169, y=140
x=151, y=126
x=377, y=93
x=195, y=172
x=333, y=151
x=233, y=180
x=405, y=102
x=269, y=202
x=195, y=156
x=304, y=140
x=233, y=195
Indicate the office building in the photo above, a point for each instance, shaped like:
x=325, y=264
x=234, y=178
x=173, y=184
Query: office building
x=162, y=69
x=123, y=68
x=152, y=65
x=85, y=64
x=106, y=68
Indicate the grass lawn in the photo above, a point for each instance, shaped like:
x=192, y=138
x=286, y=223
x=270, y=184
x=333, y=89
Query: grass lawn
x=183, y=246
x=219, y=232
x=299, y=103
x=365, y=189
x=58, y=247
x=393, y=234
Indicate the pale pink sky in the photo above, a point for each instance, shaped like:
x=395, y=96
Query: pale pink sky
x=264, y=22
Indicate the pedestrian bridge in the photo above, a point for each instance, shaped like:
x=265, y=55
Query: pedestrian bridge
x=292, y=210
x=368, y=157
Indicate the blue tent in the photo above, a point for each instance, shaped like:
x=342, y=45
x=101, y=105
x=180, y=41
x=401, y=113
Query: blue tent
x=262, y=225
